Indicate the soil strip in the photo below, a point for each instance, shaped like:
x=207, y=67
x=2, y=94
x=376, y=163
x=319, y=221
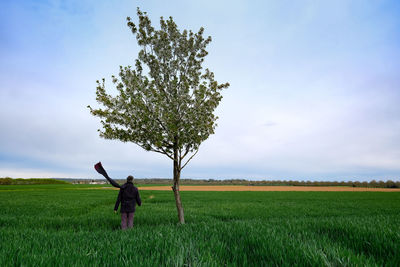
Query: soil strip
x=269, y=188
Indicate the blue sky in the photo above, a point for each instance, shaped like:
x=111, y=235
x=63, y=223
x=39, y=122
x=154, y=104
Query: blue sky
x=314, y=95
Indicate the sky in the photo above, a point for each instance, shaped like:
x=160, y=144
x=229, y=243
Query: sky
x=314, y=95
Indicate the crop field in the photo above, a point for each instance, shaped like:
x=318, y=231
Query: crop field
x=64, y=225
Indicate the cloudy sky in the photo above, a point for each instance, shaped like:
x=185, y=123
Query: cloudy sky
x=314, y=95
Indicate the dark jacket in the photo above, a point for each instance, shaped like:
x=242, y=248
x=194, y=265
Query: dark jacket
x=128, y=196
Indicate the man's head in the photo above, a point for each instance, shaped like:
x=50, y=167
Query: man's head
x=129, y=179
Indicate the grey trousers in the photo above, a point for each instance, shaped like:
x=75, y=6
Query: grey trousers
x=127, y=220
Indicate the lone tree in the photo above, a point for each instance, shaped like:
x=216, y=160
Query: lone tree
x=166, y=102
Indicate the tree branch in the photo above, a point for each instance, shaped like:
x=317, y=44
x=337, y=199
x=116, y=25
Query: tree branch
x=190, y=159
x=186, y=152
x=161, y=152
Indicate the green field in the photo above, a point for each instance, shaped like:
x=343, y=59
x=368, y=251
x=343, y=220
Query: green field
x=63, y=225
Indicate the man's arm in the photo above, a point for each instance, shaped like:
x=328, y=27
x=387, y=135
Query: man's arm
x=112, y=182
x=118, y=201
x=99, y=168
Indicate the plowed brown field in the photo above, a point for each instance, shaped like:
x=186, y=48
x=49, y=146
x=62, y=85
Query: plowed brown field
x=269, y=188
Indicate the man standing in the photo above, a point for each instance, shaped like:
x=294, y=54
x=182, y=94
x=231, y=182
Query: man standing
x=128, y=197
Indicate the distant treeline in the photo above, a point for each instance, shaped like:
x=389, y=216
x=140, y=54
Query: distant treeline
x=373, y=183
x=163, y=181
x=20, y=181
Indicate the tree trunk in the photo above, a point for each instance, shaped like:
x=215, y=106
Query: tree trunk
x=175, y=188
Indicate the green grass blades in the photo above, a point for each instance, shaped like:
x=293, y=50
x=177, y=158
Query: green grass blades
x=53, y=225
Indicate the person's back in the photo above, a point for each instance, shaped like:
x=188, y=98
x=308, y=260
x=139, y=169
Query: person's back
x=128, y=197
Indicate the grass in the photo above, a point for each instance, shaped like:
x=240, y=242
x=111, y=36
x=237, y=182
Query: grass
x=60, y=225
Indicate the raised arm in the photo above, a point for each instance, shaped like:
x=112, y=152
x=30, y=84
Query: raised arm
x=99, y=168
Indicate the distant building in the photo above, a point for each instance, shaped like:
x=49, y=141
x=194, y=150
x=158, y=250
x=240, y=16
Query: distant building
x=97, y=182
